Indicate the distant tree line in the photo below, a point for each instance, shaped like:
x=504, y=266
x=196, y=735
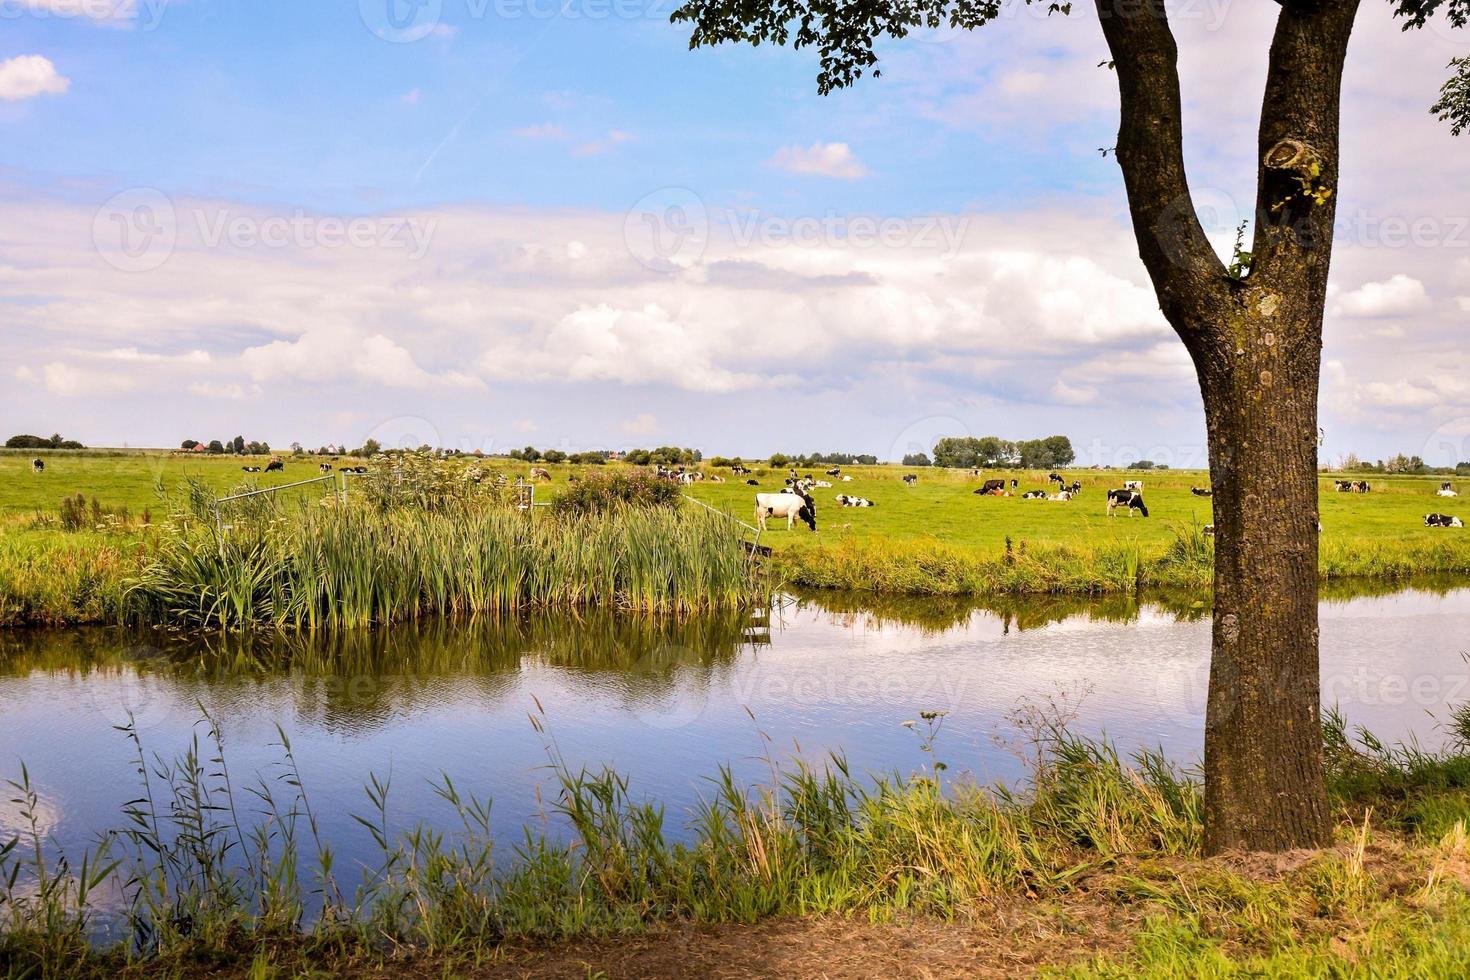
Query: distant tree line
x=41, y=442
x=237, y=445
x=993, y=452
x=822, y=459
x=917, y=459
x=1410, y=465
x=663, y=455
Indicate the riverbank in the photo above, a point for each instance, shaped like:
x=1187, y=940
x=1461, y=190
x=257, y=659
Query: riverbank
x=1091, y=870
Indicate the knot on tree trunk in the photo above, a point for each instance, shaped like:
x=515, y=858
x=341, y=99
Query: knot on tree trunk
x=1295, y=157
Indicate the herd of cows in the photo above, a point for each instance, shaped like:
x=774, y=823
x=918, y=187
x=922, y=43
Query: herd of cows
x=795, y=502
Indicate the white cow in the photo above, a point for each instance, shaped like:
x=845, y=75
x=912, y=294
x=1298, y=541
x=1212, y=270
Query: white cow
x=1133, y=485
x=788, y=504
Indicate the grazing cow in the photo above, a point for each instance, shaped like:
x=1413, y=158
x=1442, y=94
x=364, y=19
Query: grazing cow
x=845, y=501
x=38, y=465
x=1128, y=499
x=991, y=486
x=324, y=468
x=1343, y=486
x=275, y=466
x=1202, y=491
x=791, y=505
x=1055, y=478
x=1034, y=495
x=835, y=471
x=1061, y=496
x=1442, y=520
x=910, y=480
x=740, y=470
x=1362, y=486
x=1133, y=485
x=541, y=473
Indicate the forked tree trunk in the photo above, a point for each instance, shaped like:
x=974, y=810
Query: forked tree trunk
x=1256, y=340
x=1263, y=737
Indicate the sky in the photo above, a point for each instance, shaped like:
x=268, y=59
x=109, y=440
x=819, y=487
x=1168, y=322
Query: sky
x=487, y=223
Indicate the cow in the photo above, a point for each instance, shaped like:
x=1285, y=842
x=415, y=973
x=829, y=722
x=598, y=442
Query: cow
x=1362, y=486
x=1343, y=486
x=991, y=486
x=739, y=470
x=1055, y=478
x=846, y=479
x=1061, y=496
x=541, y=473
x=1128, y=499
x=1442, y=520
x=1034, y=495
x=1015, y=484
x=1133, y=485
x=275, y=466
x=38, y=466
x=1446, y=490
x=822, y=484
x=752, y=483
x=844, y=500
x=1075, y=488
x=716, y=478
x=1209, y=530
x=793, y=506
x=251, y=469
x=835, y=471
x=1202, y=491
x=910, y=479
x=324, y=468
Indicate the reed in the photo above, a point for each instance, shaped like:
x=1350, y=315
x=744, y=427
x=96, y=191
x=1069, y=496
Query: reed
x=354, y=566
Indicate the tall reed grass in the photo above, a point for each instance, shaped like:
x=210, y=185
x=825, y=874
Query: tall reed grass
x=354, y=566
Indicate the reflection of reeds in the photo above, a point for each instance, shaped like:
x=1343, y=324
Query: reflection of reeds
x=353, y=567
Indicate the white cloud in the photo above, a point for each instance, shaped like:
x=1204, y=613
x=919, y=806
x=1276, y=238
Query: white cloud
x=820, y=160
x=645, y=423
x=605, y=145
x=1399, y=295
x=29, y=75
x=540, y=131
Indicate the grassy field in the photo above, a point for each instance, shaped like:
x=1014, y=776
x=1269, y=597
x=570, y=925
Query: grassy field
x=936, y=538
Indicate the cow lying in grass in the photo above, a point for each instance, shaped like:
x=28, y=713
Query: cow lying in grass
x=791, y=504
x=1442, y=520
x=844, y=500
x=1034, y=495
x=1202, y=491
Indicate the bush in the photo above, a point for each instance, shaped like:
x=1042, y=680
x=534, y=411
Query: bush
x=41, y=442
x=603, y=492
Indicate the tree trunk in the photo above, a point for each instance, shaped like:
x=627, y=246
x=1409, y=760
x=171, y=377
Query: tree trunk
x=1263, y=739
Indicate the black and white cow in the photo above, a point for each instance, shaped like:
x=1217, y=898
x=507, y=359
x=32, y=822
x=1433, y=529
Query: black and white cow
x=1075, y=488
x=752, y=483
x=251, y=469
x=739, y=470
x=1133, y=485
x=275, y=466
x=843, y=500
x=1446, y=490
x=788, y=504
x=1442, y=520
x=910, y=479
x=1202, y=491
x=835, y=471
x=1056, y=478
x=1128, y=499
x=1343, y=486
x=1034, y=495
x=38, y=465
x=1362, y=486
x=324, y=468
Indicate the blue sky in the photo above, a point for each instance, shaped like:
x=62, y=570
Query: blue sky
x=519, y=146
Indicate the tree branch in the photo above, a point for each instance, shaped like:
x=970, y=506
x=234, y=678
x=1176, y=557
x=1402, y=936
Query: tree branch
x=1188, y=276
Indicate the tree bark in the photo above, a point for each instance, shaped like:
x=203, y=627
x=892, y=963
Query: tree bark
x=1256, y=344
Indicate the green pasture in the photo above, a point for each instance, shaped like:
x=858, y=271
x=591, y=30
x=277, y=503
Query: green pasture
x=941, y=506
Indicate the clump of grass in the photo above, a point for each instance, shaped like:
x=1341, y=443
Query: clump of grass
x=356, y=566
x=604, y=492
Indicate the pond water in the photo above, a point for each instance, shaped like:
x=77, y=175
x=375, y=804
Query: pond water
x=665, y=703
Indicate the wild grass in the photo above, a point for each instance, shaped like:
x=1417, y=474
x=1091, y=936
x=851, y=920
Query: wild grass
x=206, y=869
x=346, y=567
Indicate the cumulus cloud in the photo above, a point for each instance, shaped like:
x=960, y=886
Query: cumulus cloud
x=820, y=160
x=29, y=75
x=1399, y=295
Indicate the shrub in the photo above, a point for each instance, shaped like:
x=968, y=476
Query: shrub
x=603, y=492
